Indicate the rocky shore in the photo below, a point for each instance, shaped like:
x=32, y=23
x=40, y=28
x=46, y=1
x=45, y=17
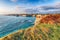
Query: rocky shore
x=47, y=27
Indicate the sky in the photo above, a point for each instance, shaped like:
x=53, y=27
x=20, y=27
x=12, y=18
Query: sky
x=29, y=6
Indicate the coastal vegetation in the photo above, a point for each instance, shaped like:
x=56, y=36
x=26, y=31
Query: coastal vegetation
x=38, y=32
x=47, y=28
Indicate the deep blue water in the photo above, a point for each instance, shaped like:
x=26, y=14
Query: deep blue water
x=9, y=24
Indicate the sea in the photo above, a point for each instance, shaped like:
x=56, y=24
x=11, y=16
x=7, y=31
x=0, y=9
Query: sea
x=10, y=24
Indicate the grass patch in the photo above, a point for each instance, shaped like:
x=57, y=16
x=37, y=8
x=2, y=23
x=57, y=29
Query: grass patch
x=38, y=32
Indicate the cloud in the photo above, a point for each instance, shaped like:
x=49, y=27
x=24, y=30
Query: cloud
x=53, y=8
x=14, y=0
x=38, y=9
x=57, y=4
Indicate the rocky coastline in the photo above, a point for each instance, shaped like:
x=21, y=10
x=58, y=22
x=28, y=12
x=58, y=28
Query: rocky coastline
x=46, y=27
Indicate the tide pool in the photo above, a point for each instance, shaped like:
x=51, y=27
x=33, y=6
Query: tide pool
x=9, y=24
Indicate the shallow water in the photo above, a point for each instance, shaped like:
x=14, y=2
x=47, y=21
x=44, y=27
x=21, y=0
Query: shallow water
x=9, y=24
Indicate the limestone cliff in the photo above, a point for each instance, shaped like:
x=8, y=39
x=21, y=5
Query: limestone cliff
x=41, y=31
x=50, y=19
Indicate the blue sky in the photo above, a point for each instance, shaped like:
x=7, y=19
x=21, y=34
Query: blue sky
x=29, y=6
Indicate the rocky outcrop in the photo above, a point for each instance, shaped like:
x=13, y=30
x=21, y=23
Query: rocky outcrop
x=50, y=19
x=40, y=31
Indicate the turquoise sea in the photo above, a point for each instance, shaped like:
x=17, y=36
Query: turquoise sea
x=9, y=24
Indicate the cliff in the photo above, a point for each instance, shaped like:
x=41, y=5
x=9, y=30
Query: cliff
x=42, y=30
x=49, y=19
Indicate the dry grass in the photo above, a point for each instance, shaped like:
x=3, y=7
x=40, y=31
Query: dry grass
x=38, y=32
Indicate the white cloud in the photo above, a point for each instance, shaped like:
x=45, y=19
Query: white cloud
x=54, y=8
x=14, y=0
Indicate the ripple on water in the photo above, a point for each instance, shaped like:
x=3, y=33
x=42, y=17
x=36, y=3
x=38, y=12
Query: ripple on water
x=9, y=24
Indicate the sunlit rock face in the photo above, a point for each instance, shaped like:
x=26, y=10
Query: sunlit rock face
x=50, y=19
x=40, y=31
